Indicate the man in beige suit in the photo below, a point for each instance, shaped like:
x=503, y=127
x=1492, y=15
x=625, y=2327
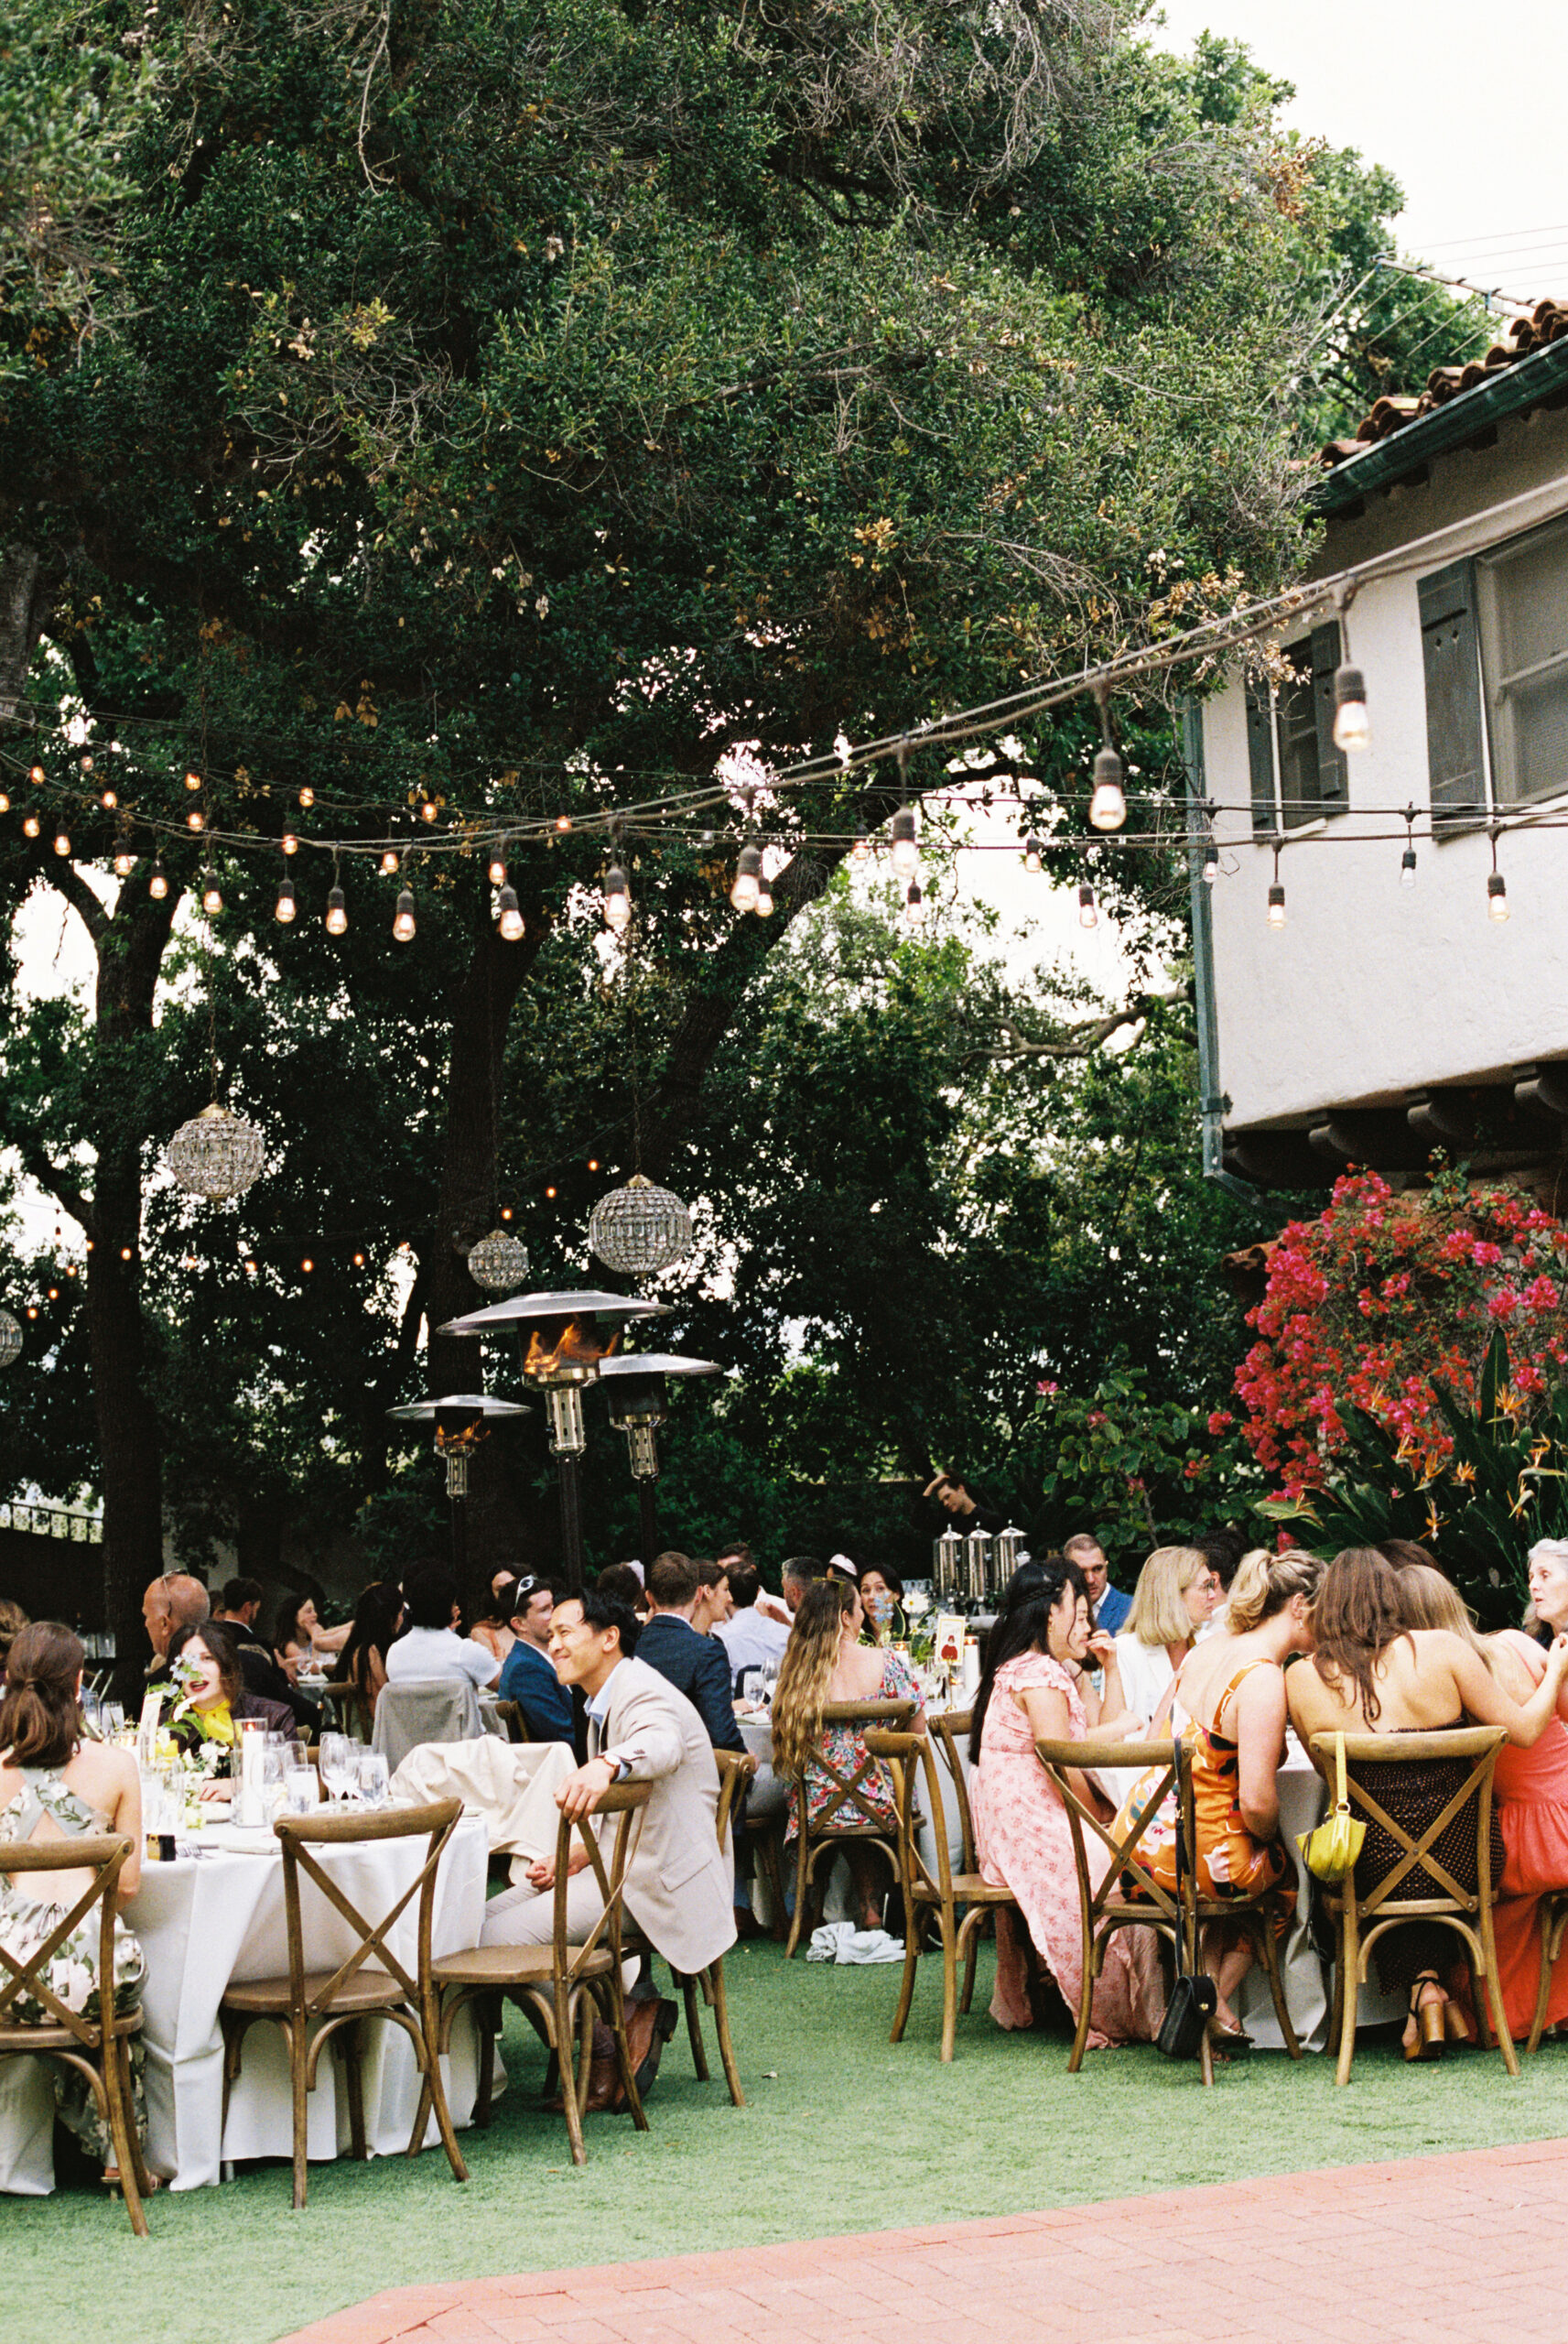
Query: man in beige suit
x=679, y=1883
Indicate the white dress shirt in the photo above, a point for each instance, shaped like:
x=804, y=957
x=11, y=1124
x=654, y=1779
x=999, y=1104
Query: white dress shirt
x=424, y=1653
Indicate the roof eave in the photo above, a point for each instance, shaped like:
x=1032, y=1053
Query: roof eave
x=1539, y=380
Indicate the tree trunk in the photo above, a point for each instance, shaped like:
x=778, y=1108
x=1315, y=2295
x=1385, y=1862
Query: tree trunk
x=480, y=1014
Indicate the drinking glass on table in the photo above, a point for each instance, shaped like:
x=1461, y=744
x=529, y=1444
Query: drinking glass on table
x=375, y=1784
x=338, y=1770
x=770, y=1681
x=299, y=1789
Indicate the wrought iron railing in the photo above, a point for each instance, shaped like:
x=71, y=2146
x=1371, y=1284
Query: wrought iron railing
x=52, y=1521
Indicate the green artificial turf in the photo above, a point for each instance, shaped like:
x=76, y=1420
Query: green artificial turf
x=844, y=2132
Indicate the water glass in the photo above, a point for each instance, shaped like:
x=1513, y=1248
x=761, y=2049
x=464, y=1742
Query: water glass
x=375, y=1784
x=337, y=1768
x=299, y=1790
x=112, y=1717
x=770, y=1680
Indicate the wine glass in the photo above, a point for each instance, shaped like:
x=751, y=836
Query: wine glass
x=337, y=1768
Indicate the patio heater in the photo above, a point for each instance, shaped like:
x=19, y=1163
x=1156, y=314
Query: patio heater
x=635, y=1390
x=565, y=1339
x=462, y=1420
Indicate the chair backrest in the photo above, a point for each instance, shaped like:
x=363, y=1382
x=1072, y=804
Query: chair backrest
x=299, y=1836
x=1128, y=1878
x=419, y=1709
x=625, y=1801
x=911, y=1756
x=848, y=1807
x=735, y=1774
x=1479, y=1745
x=103, y=1856
x=951, y=1730
x=510, y=1716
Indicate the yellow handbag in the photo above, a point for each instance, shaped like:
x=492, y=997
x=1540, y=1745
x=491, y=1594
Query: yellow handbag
x=1331, y=1848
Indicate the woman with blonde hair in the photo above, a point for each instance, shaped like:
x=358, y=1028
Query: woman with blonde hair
x=1177, y=1591
x=1229, y=1709
x=824, y=1661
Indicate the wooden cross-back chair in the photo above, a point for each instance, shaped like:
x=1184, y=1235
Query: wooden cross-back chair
x=336, y=2002
x=98, y=2049
x=1361, y=1920
x=735, y=1774
x=847, y=1813
x=1552, y=1921
x=934, y=1898
x=559, y=1986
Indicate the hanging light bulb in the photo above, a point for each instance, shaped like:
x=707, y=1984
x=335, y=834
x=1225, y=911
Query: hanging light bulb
x=1089, y=911
x=195, y=819
x=906, y=857
x=915, y=904
x=192, y=778
x=307, y=799
x=1276, y=906
x=1352, y=727
x=748, y=884
x=63, y=843
x=31, y=825
x=428, y=810
x=1107, y=803
x=285, y=907
x=511, y=918
x=4, y=803
x=124, y=863
x=862, y=847
x=108, y=800
x=337, y=921
x=1034, y=853
x=1497, y=896
x=498, y=867
x=389, y=862
x=765, y=903
x=563, y=821
x=211, y=901
x=157, y=886
x=1209, y=870
x=1407, y=867
x=85, y=761
x=403, y=924
x=37, y=774
x=289, y=843
x=617, y=900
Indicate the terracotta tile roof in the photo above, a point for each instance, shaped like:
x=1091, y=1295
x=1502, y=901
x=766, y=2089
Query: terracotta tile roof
x=1547, y=322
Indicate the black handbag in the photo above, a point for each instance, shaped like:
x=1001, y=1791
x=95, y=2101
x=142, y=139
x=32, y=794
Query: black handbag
x=1194, y=1999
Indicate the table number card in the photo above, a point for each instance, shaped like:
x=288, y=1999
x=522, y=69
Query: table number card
x=949, y=1642
x=147, y=1727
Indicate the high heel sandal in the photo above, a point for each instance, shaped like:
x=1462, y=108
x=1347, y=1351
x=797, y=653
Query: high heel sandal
x=1429, y=2019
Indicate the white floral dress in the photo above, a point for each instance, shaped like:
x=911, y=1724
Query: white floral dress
x=26, y=1922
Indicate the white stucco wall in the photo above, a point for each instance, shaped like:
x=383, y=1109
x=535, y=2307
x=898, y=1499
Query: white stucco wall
x=1371, y=991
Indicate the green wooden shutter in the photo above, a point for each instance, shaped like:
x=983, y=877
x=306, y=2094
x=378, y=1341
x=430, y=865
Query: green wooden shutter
x=1455, y=752
x=1260, y=758
x=1333, y=776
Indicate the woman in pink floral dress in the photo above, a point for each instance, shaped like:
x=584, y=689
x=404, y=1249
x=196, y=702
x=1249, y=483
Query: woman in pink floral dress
x=1034, y=1686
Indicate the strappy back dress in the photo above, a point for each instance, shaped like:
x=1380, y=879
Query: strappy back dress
x=1232, y=1866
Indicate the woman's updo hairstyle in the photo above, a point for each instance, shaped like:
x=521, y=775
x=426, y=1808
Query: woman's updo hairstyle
x=1261, y=1592
x=40, y=1721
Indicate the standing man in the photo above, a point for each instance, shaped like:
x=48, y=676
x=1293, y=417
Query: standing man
x=527, y=1674
x=967, y=1508
x=697, y=1666
x=1108, y=1607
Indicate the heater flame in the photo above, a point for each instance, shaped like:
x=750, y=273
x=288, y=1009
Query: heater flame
x=576, y=1346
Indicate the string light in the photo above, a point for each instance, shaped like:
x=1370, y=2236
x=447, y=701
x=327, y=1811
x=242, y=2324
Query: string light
x=85, y=762
x=1352, y=728
x=31, y=825
x=108, y=800
x=37, y=774
x=307, y=799
x=617, y=900
x=125, y=861
x=498, y=867
x=549, y=1192
x=1107, y=801
x=289, y=842
x=192, y=778
x=285, y=907
x=403, y=924
x=747, y=884
x=195, y=819
x=211, y=901
x=1209, y=868
x=157, y=886
x=389, y=862
x=1497, y=885
x=763, y=907
x=358, y=1260
x=1407, y=860
x=511, y=918
x=306, y=1265
x=1276, y=893
x=861, y=848
x=63, y=843
x=337, y=920
x=1088, y=912
x=4, y=803
x=1034, y=853
x=428, y=810
x=905, y=856
x=915, y=904
x=563, y=823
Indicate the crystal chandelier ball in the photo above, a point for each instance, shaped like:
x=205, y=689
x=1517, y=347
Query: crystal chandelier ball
x=216, y=1155
x=10, y=1340
x=499, y=1263
x=640, y=1230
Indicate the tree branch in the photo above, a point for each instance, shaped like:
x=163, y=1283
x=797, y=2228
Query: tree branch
x=65, y=878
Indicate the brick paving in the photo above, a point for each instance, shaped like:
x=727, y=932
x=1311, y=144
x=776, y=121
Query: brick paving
x=1449, y=2250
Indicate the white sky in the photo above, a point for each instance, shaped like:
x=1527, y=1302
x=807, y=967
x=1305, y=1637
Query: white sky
x=1461, y=104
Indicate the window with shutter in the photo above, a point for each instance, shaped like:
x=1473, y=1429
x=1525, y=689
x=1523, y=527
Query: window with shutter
x=1333, y=774
x=1313, y=779
x=1260, y=759
x=1523, y=590
x=1455, y=750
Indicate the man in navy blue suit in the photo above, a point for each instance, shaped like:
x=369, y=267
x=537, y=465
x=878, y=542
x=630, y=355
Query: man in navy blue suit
x=528, y=1676
x=697, y=1666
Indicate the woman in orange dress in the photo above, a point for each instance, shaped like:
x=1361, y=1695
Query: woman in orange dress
x=1230, y=1711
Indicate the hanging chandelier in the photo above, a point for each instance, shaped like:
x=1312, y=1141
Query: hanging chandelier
x=10, y=1340
x=216, y=1155
x=640, y=1230
x=498, y=1262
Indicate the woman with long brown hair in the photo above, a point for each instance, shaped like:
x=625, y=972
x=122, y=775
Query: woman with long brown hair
x=824, y=1661
x=1371, y=1672
x=56, y=1786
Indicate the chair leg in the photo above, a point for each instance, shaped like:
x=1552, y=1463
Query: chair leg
x=911, y=1963
x=351, y=2041
x=798, y=1915
x=1544, y=1983
x=722, y=2028
x=1350, y=1982
x=297, y=2061
x=1269, y=1947
x=970, y=1959
x=1495, y=1991
x=624, y=2053
x=772, y=1864
x=489, y=2015
x=949, y=1983
x=122, y=2128
x=694, y=2029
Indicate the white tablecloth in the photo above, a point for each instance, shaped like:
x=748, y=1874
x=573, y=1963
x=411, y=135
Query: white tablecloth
x=204, y=1921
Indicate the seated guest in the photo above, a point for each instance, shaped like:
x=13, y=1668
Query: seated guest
x=56, y=1784
x=378, y=1616
x=211, y=1695
x=1371, y=1673
x=1229, y=1709
x=749, y=1637
x=714, y=1603
x=175, y=1600
x=299, y=1640
x=1547, y=1615
x=679, y=1879
x=430, y=1646
x=881, y=1594
x=1034, y=1686
x=13, y=1619
x=1108, y=1607
x=825, y=1662
x=527, y=1674
x=494, y=1631
x=1176, y=1591
x=697, y=1666
x=1226, y=1549
x=237, y=1613
x=624, y=1582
